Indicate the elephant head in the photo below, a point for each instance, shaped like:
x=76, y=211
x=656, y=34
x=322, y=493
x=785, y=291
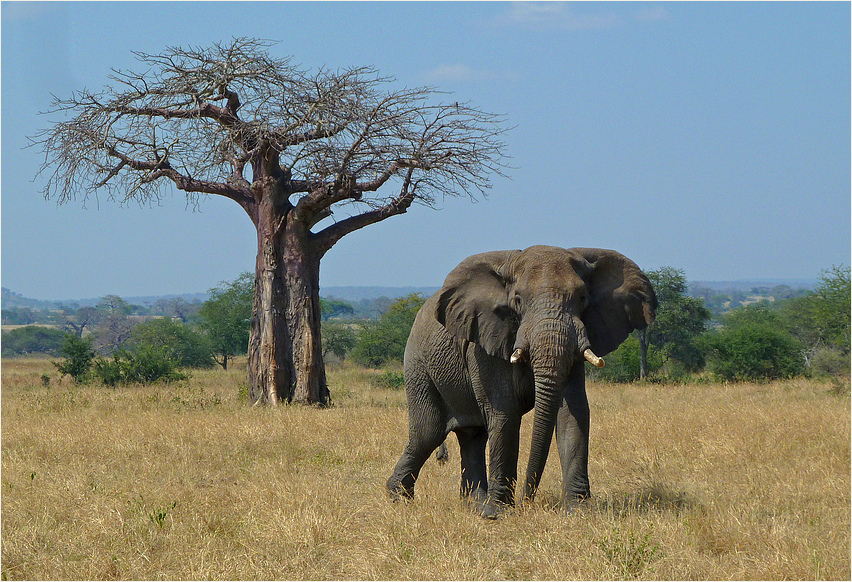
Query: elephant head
x=548, y=308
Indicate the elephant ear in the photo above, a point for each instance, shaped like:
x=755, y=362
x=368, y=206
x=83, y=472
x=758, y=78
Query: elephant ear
x=473, y=304
x=621, y=299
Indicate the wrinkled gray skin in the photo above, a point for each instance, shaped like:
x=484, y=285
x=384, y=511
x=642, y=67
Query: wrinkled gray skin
x=545, y=306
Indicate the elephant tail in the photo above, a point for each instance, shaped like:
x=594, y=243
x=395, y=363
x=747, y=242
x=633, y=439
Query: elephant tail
x=442, y=455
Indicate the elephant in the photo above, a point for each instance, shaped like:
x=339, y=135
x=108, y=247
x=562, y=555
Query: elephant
x=509, y=332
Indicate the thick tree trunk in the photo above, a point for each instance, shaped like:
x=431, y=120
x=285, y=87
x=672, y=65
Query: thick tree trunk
x=303, y=315
x=268, y=367
x=285, y=351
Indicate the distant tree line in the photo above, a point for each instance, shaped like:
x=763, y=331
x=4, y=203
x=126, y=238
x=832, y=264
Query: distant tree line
x=722, y=301
x=797, y=332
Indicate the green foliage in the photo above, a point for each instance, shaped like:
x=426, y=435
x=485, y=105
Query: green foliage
x=79, y=355
x=187, y=347
x=622, y=365
x=144, y=364
x=829, y=361
x=382, y=341
x=831, y=300
x=226, y=317
x=630, y=554
x=335, y=308
x=388, y=379
x=32, y=339
x=822, y=318
x=680, y=320
x=753, y=345
x=337, y=339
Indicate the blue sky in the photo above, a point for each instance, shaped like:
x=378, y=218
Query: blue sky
x=711, y=137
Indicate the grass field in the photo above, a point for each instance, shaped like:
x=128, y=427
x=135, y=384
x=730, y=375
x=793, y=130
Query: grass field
x=186, y=481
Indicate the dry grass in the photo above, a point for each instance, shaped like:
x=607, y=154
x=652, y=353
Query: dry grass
x=186, y=481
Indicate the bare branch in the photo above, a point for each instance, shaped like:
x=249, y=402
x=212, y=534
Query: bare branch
x=198, y=117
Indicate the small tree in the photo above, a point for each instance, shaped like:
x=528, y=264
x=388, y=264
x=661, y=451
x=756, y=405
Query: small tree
x=337, y=339
x=32, y=339
x=384, y=340
x=291, y=147
x=680, y=322
x=335, y=308
x=820, y=321
x=79, y=355
x=226, y=317
x=832, y=306
x=77, y=320
x=114, y=327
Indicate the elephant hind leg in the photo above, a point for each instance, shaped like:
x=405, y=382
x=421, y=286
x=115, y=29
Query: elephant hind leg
x=426, y=432
x=401, y=483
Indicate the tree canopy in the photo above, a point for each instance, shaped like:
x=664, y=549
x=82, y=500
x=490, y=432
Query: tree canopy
x=226, y=317
x=200, y=117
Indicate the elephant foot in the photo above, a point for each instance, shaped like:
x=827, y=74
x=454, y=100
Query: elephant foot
x=487, y=507
x=573, y=503
x=495, y=510
x=398, y=491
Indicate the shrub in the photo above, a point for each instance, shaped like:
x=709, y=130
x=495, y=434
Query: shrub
x=388, y=379
x=622, y=365
x=187, y=347
x=78, y=354
x=32, y=339
x=383, y=341
x=754, y=346
x=829, y=361
x=145, y=364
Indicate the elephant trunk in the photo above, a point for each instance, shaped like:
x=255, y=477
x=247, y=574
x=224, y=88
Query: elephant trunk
x=551, y=357
x=547, y=401
x=559, y=345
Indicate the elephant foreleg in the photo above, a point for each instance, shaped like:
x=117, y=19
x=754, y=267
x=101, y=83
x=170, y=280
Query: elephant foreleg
x=474, y=479
x=572, y=438
x=503, y=437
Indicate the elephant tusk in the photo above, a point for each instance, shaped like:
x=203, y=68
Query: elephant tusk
x=518, y=356
x=593, y=359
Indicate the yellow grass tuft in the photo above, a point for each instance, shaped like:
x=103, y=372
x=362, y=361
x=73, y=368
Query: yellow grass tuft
x=186, y=481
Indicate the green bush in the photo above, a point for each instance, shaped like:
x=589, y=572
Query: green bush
x=829, y=361
x=187, y=347
x=32, y=339
x=622, y=365
x=754, y=346
x=144, y=364
x=383, y=341
x=79, y=355
x=389, y=380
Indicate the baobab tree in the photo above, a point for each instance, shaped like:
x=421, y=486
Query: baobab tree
x=310, y=157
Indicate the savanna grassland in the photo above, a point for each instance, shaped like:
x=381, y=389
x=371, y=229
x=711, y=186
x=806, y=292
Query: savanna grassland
x=186, y=481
